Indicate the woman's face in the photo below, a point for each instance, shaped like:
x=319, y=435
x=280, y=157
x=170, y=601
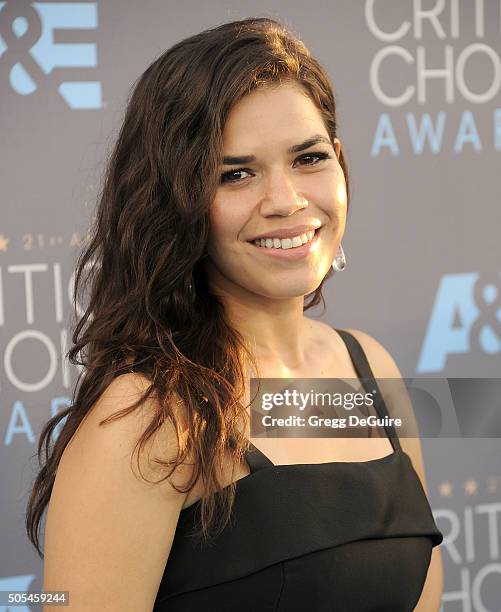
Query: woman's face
x=275, y=191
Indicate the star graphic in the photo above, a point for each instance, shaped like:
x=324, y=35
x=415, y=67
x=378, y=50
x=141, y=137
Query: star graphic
x=3, y=243
x=445, y=489
x=470, y=486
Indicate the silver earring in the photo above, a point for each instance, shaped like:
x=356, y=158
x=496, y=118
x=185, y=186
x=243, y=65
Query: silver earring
x=339, y=262
x=191, y=291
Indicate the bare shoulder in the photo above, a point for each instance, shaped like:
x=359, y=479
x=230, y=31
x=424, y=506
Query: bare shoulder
x=376, y=353
x=121, y=394
x=109, y=526
x=383, y=366
x=382, y=363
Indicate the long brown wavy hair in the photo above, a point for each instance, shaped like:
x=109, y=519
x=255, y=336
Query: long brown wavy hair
x=148, y=306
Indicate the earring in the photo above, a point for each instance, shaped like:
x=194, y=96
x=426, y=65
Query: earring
x=191, y=291
x=339, y=262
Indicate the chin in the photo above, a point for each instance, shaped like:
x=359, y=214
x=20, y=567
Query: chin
x=293, y=291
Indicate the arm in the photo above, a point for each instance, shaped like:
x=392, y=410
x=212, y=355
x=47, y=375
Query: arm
x=109, y=532
x=383, y=366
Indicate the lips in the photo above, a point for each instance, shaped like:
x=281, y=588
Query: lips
x=290, y=254
x=308, y=234
x=287, y=232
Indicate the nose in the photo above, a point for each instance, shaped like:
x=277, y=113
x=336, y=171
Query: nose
x=281, y=196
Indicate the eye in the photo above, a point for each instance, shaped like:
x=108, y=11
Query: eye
x=225, y=178
x=320, y=155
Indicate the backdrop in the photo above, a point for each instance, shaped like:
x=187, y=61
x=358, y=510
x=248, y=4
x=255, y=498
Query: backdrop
x=418, y=93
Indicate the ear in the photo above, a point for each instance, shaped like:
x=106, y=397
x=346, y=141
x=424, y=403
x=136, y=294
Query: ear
x=337, y=146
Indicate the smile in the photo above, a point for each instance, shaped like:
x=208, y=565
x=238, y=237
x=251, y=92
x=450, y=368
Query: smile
x=289, y=249
x=285, y=243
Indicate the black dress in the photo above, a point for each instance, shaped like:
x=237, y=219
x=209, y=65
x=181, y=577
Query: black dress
x=337, y=536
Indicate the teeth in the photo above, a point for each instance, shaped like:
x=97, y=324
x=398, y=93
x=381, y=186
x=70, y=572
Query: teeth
x=285, y=243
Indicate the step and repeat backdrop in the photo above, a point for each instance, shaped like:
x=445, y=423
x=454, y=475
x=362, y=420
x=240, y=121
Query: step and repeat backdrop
x=418, y=88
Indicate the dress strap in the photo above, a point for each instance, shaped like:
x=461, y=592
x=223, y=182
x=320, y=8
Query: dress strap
x=256, y=459
x=363, y=369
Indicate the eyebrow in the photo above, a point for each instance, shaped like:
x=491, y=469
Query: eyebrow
x=246, y=159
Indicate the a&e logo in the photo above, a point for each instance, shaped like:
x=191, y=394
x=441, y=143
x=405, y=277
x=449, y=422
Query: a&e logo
x=466, y=318
x=48, y=44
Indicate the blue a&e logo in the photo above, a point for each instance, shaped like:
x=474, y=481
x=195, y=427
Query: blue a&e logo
x=48, y=44
x=466, y=317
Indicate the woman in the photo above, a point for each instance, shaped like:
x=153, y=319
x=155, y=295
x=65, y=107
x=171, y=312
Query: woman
x=229, y=136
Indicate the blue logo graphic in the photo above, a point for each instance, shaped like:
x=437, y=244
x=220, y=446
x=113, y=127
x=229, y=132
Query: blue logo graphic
x=16, y=583
x=466, y=317
x=45, y=44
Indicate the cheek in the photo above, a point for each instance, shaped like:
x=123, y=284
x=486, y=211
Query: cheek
x=226, y=224
x=341, y=208
x=341, y=194
x=330, y=193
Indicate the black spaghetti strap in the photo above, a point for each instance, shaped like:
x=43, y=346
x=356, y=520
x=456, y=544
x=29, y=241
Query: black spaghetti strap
x=363, y=369
x=256, y=459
